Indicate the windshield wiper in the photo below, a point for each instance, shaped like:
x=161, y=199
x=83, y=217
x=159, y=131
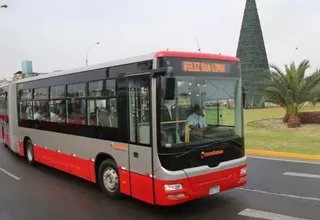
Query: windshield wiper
x=207, y=145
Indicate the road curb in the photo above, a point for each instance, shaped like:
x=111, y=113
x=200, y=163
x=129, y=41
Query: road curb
x=282, y=154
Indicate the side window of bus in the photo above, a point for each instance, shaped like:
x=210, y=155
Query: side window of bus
x=94, y=107
x=110, y=87
x=112, y=102
x=2, y=105
x=139, y=109
x=25, y=110
x=40, y=104
x=57, y=104
x=25, y=104
x=95, y=100
x=112, y=108
x=76, y=104
x=102, y=108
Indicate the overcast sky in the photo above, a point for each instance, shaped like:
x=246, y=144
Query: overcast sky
x=56, y=34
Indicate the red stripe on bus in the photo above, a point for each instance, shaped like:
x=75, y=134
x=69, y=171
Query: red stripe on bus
x=21, y=149
x=6, y=140
x=64, y=162
x=82, y=168
x=196, y=55
x=86, y=169
x=140, y=186
x=92, y=171
x=124, y=176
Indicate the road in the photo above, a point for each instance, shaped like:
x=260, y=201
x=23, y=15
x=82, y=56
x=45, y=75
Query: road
x=275, y=190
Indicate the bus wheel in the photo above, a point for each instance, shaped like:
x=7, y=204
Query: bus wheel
x=29, y=152
x=108, y=179
x=4, y=143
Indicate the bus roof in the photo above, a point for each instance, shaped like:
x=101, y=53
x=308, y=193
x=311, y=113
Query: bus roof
x=133, y=60
x=4, y=84
x=196, y=55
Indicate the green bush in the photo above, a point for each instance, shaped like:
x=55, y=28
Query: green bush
x=306, y=117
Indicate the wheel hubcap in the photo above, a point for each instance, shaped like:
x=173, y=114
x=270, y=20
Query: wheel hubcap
x=110, y=179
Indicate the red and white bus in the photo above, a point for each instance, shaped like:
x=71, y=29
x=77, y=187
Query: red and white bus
x=126, y=125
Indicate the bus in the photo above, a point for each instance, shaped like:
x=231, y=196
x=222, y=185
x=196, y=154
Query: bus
x=127, y=125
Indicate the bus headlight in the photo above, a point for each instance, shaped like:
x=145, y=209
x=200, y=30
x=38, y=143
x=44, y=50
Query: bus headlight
x=243, y=171
x=172, y=187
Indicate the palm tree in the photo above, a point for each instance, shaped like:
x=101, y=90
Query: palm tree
x=291, y=89
x=314, y=102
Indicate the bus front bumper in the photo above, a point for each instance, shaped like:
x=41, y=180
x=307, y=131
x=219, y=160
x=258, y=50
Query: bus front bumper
x=175, y=192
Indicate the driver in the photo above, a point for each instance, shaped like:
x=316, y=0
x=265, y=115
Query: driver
x=196, y=120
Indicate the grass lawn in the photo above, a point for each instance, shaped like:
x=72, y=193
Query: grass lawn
x=260, y=138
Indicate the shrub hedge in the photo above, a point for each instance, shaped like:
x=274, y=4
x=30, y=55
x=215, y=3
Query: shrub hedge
x=306, y=117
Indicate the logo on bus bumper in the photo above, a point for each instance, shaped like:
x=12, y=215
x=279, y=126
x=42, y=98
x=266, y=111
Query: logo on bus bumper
x=211, y=153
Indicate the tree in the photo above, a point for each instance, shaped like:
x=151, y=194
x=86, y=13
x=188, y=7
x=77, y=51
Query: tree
x=252, y=53
x=291, y=89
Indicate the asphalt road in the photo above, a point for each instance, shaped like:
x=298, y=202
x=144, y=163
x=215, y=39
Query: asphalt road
x=42, y=193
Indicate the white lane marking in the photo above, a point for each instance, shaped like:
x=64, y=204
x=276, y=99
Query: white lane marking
x=9, y=174
x=302, y=175
x=266, y=215
x=280, y=194
x=285, y=160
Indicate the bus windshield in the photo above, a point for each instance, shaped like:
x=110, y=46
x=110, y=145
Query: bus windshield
x=206, y=108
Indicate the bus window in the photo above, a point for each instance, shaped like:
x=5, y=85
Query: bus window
x=139, y=109
x=57, y=111
x=102, y=108
x=76, y=111
x=76, y=106
x=93, y=106
x=110, y=87
x=95, y=88
x=57, y=92
x=40, y=110
x=25, y=94
x=25, y=105
x=57, y=106
x=103, y=112
x=76, y=90
x=112, y=108
x=40, y=104
x=41, y=94
x=26, y=110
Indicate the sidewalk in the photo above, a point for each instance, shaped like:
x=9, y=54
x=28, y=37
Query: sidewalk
x=286, y=155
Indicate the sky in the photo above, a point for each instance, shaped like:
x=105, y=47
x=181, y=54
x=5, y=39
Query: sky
x=56, y=35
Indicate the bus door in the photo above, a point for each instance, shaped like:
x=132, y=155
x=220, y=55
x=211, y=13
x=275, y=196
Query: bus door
x=140, y=151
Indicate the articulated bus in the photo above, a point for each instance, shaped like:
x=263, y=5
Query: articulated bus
x=130, y=126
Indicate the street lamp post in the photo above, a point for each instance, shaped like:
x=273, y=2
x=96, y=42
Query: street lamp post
x=294, y=53
x=4, y=6
x=89, y=51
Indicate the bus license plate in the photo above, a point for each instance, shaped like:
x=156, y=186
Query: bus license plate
x=214, y=190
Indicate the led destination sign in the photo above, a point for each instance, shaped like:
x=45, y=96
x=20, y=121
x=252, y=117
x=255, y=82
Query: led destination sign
x=213, y=67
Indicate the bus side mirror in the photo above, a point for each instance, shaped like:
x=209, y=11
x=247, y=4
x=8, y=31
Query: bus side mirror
x=169, y=88
x=244, y=99
x=164, y=71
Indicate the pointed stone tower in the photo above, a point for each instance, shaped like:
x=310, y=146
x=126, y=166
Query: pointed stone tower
x=252, y=53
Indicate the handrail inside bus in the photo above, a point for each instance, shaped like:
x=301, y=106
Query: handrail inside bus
x=172, y=122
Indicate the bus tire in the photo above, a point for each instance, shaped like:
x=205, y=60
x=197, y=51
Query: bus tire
x=4, y=143
x=108, y=179
x=29, y=152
